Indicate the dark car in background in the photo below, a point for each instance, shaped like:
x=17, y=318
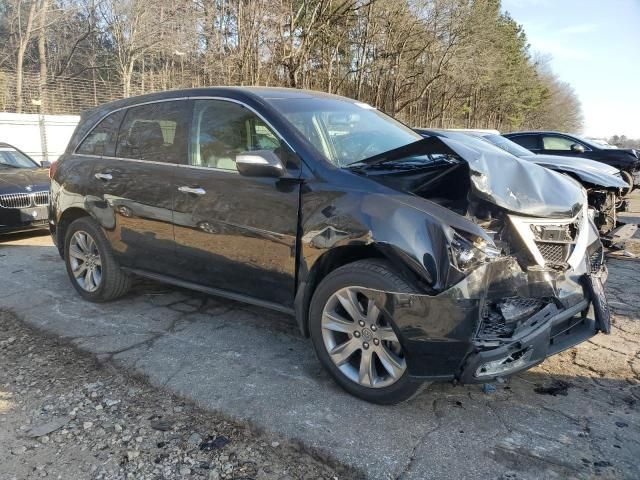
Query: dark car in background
x=24, y=191
x=404, y=259
x=557, y=143
x=604, y=184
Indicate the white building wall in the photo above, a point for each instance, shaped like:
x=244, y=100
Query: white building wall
x=23, y=130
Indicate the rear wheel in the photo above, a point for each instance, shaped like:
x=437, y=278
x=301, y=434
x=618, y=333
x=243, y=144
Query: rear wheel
x=354, y=339
x=93, y=270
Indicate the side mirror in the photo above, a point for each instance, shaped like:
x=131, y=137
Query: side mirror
x=576, y=147
x=259, y=163
x=45, y=164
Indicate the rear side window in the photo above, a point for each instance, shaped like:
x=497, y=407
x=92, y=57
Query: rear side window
x=155, y=132
x=102, y=139
x=527, y=141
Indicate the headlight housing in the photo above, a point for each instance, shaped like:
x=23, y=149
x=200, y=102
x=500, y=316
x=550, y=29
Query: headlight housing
x=469, y=253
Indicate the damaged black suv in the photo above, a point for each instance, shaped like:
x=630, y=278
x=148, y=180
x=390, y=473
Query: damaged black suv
x=404, y=259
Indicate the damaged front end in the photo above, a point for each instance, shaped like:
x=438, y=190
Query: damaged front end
x=525, y=285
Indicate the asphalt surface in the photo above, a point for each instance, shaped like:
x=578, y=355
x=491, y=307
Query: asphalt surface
x=576, y=415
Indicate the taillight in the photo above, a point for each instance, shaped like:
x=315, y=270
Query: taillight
x=52, y=169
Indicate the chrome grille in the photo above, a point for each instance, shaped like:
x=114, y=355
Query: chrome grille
x=556, y=253
x=40, y=198
x=24, y=200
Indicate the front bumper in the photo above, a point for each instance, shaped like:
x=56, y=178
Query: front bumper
x=22, y=219
x=444, y=336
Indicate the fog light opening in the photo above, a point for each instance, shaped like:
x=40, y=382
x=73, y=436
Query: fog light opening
x=504, y=365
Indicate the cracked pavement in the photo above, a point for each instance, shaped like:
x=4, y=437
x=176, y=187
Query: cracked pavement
x=252, y=365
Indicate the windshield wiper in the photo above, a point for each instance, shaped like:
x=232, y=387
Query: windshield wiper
x=428, y=145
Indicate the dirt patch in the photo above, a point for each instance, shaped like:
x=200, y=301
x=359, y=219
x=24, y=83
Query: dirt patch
x=62, y=415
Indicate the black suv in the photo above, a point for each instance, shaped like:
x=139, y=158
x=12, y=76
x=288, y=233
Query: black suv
x=403, y=258
x=556, y=143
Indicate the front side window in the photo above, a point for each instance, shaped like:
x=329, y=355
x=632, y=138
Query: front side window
x=102, y=139
x=155, y=132
x=342, y=131
x=557, y=143
x=221, y=130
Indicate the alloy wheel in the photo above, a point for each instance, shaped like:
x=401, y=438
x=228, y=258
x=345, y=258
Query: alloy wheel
x=360, y=341
x=85, y=261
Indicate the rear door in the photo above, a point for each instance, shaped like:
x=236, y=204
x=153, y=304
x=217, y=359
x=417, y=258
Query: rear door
x=235, y=233
x=133, y=183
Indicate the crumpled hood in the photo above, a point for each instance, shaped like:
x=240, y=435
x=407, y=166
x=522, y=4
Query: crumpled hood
x=587, y=170
x=518, y=186
x=13, y=180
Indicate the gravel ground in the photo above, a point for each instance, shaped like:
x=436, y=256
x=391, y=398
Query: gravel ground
x=62, y=415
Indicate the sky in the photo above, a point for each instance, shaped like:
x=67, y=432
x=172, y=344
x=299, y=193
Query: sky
x=594, y=46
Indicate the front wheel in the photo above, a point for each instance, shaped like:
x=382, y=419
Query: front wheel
x=354, y=339
x=627, y=177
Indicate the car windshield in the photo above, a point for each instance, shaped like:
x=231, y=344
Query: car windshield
x=504, y=143
x=345, y=132
x=11, y=158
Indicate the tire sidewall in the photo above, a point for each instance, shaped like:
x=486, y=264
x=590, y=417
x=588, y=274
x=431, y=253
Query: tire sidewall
x=401, y=390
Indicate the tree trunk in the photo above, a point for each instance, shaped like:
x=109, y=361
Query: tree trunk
x=22, y=47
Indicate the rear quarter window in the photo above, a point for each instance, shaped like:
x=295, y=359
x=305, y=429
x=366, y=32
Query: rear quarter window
x=102, y=139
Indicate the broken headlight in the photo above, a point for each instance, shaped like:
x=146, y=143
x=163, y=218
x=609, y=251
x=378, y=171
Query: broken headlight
x=469, y=253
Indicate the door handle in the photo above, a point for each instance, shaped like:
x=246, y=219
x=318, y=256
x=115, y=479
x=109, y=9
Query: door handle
x=196, y=190
x=103, y=176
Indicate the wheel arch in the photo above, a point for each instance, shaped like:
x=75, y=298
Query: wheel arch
x=336, y=258
x=67, y=218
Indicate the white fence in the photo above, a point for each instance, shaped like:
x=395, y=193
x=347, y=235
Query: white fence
x=42, y=137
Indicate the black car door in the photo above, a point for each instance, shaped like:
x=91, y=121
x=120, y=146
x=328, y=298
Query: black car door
x=132, y=186
x=235, y=233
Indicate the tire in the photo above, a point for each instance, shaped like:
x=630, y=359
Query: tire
x=627, y=177
x=109, y=281
x=377, y=385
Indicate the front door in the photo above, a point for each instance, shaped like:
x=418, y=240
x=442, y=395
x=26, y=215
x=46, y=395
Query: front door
x=235, y=233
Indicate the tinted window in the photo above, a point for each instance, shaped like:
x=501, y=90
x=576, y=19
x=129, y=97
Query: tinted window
x=527, y=141
x=557, y=143
x=155, y=132
x=221, y=130
x=102, y=139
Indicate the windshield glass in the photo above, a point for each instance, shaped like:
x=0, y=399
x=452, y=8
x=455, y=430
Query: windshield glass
x=512, y=147
x=345, y=132
x=10, y=157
